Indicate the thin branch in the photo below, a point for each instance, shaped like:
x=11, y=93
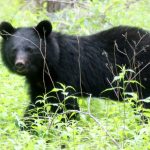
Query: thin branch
x=97, y=121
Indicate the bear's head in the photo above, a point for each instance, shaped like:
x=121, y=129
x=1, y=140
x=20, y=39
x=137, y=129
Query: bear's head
x=24, y=49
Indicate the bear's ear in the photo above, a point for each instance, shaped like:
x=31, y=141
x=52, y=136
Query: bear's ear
x=44, y=28
x=6, y=29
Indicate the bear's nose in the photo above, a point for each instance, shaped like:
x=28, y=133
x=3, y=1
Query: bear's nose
x=20, y=65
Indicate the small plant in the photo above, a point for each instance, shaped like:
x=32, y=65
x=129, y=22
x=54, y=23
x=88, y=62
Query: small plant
x=122, y=85
x=42, y=115
x=86, y=133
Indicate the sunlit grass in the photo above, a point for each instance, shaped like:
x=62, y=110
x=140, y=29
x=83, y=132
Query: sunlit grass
x=118, y=127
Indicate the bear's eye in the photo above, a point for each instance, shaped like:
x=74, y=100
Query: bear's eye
x=30, y=50
x=13, y=50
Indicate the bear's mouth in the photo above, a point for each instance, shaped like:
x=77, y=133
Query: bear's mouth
x=21, y=71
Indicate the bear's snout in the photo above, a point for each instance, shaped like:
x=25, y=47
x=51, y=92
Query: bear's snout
x=20, y=66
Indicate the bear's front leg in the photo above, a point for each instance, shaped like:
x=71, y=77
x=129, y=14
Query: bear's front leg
x=35, y=108
x=58, y=102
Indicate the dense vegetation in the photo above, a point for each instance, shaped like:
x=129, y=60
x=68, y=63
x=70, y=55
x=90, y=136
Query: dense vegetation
x=103, y=124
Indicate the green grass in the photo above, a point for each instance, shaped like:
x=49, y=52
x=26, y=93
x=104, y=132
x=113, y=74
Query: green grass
x=112, y=125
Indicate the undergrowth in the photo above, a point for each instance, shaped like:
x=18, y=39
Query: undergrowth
x=103, y=124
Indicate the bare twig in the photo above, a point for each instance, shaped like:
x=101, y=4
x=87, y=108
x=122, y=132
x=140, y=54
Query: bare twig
x=97, y=121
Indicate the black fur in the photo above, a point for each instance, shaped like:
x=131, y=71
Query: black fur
x=85, y=62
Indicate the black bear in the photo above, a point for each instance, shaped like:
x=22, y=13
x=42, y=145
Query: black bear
x=87, y=63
